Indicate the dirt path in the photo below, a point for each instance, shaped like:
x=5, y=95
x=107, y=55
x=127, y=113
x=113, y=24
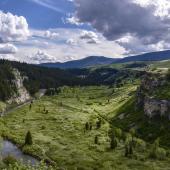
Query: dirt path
x=9, y=110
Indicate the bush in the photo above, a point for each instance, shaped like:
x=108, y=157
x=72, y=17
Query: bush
x=9, y=160
x=157, y=152
x=118, y=133
x=161, y=153
x=140, y=144
x=43, y=127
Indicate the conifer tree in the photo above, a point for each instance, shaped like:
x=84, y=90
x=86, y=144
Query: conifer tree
x=28, y=138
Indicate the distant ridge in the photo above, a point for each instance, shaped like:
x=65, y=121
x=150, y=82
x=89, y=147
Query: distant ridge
x=153, y=56
x=82, y=63
x=100, y=60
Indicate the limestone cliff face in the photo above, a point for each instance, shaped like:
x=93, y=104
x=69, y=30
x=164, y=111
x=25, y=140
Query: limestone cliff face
x=152, y=106
x=22, y=94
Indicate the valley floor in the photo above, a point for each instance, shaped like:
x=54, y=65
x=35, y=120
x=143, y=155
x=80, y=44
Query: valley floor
x=57, y=124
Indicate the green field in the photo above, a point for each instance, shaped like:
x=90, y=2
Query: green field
x=57, y=124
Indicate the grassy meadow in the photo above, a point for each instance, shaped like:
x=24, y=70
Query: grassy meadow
x=57, y=124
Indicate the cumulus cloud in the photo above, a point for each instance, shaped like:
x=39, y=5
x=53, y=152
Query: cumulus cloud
x=50, y=35
x=90, y=37
x=73, y=20
x=42, y=57
x=67, y=46
x=71, y=41
x=8, y=49
x=116, y=19
x=12, y=28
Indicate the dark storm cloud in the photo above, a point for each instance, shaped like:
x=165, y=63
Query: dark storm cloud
x=117, y=18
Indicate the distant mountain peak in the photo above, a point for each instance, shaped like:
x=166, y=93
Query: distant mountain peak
x=101, y=60
x=151, y=56
x=82, y=63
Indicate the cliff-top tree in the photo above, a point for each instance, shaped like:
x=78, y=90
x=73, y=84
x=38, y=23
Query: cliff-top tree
x=28, y=138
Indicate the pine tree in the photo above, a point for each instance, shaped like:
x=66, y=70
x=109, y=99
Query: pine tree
x=96, y=140
x=91, y=126
x=28, y=138
x=113, y=143
x=126, y=151
x=98, y=124
x=87, y=126
x=131, y=148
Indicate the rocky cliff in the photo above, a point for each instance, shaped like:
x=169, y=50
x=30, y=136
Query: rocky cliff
x=22, y=94
x=146, y=100
x=154, y=107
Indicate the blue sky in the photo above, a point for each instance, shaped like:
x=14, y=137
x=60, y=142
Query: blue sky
x=39, y=31
x=40, y=14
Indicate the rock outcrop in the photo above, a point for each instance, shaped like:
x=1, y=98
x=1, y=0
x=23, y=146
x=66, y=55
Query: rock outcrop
x=152, y=106
x=22, y=94
x=155, y=107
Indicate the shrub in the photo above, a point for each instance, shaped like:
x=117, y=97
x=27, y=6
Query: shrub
x=43, y=127
x=132, y=132
x=9, y=160
x=161, y=153
x=129, y=149
x=118, y=133
x=140, y=144
x=156, y=152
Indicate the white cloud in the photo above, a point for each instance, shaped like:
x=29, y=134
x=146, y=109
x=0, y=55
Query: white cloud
x=73, y=20
x=13, y=28
x=71, y=41
x=134, y=45
x=50, y=35
x=67, y=46
x=162, y=7
x=8, y=49
x=90, y=37
x=42, y=57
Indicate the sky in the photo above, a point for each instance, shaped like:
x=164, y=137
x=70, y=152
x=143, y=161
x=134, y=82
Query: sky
x=40, y=31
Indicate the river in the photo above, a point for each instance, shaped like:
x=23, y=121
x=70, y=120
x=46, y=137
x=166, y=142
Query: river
x=8, y=148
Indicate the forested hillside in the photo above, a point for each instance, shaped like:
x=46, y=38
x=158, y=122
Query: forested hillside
x=44, y=78
x=7, y=86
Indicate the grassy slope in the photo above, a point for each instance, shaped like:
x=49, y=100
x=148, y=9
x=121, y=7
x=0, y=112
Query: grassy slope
x=147, y=129
x=59, y=135
x=162, y=93
x=162, y=64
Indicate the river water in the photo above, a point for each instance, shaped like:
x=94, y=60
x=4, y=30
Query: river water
x=8, y=148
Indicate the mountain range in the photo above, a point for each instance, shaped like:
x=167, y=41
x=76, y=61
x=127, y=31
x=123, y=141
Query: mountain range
x=101, y=60
x=82, y=63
